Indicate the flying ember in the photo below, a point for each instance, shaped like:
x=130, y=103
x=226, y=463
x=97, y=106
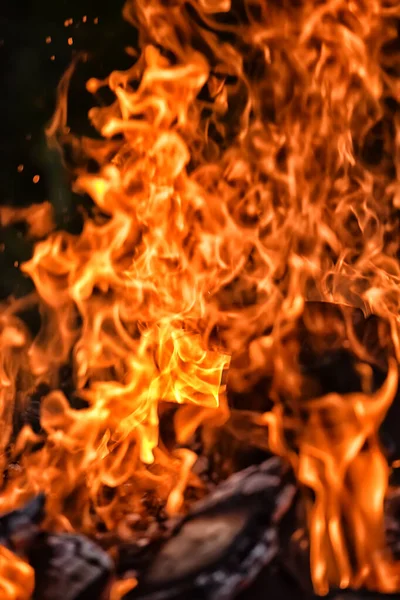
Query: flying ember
x=245, y=196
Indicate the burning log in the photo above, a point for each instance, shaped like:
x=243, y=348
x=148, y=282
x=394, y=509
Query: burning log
x=66, y=566
x=70, y=567
x=19, y=527
x=232, y=544
x=236, y=544
x=224, y=541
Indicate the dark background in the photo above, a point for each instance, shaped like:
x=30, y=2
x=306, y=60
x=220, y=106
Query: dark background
x=34, y=53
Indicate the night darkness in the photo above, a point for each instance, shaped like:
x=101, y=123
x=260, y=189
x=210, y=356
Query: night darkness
x=38, y=41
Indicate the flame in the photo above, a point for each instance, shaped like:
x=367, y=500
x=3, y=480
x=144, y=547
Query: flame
x=120, y=588
x=248, y=165
x=16, y=577
x=341, y=461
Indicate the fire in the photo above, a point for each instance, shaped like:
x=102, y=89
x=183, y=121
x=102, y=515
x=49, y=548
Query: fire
x=247, y=166
x=16, y=577
x=339, y=458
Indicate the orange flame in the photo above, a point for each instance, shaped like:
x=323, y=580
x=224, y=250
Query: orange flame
x=248, y=164
x=340, y=459
x=16, y=577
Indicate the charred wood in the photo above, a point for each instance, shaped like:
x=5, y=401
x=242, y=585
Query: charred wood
x=66, y=566
x=19, y=528
x=224, y=542
x=70, y=567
